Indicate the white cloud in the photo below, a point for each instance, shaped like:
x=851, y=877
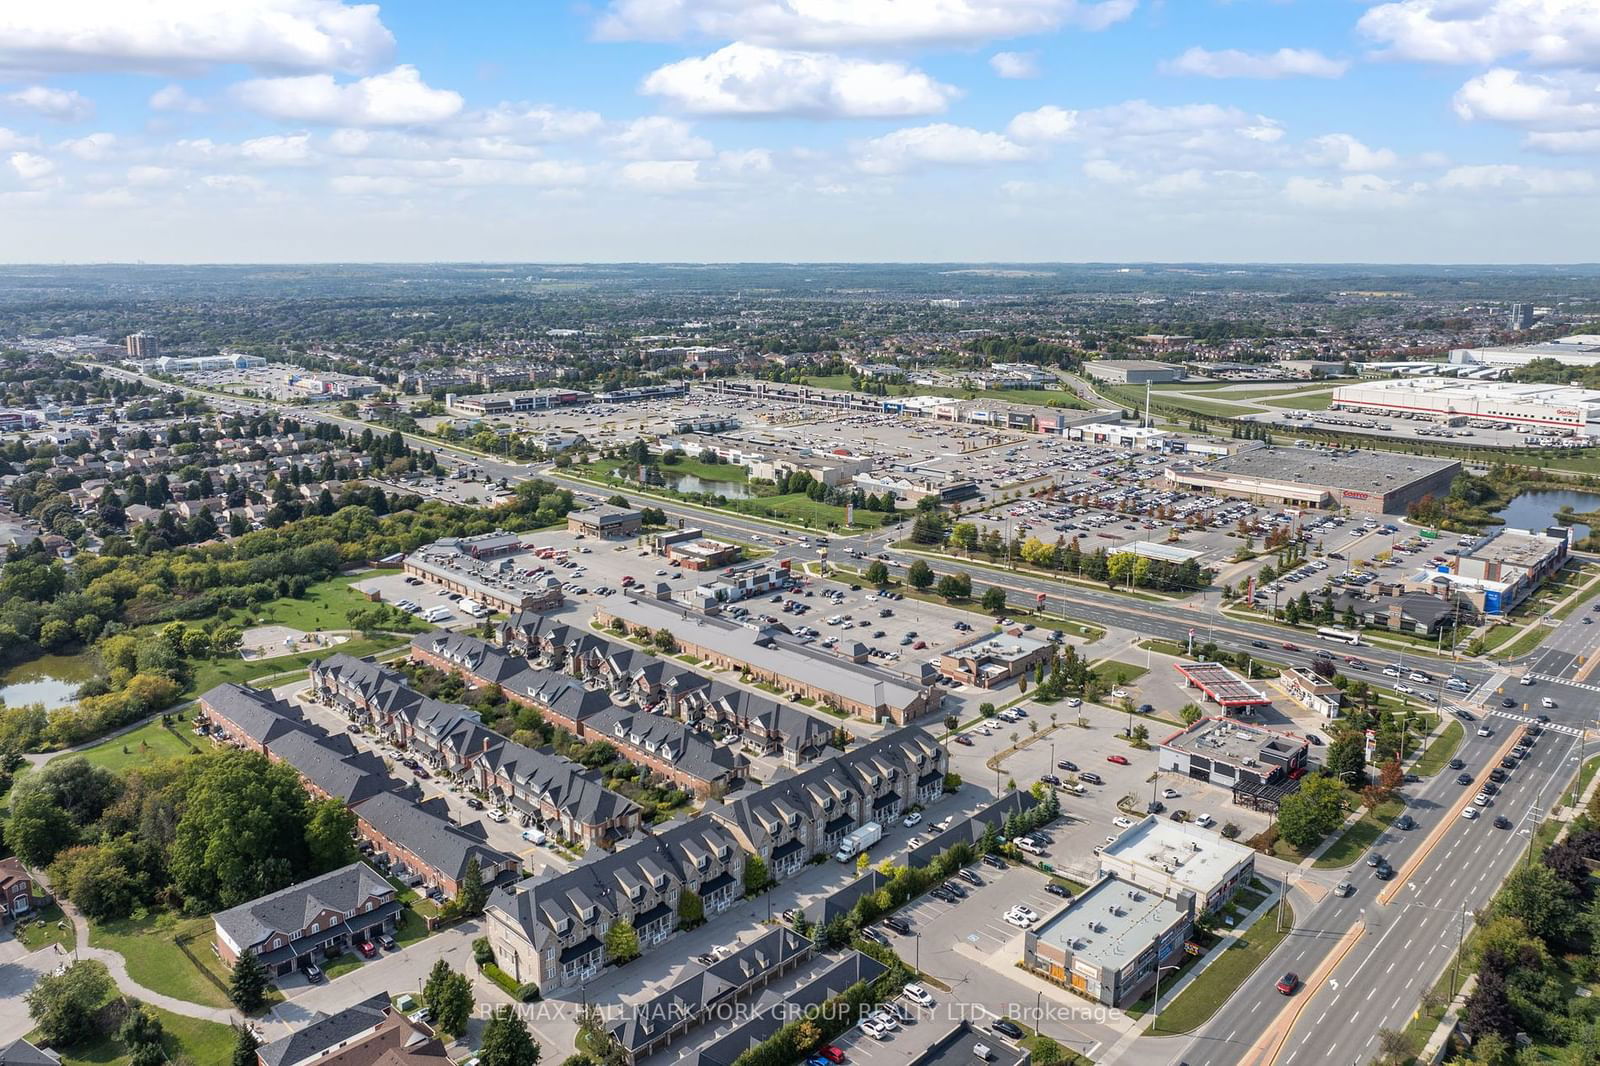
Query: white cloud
x=1553, y=32
x=233, y=183
x=278, y=149
x=372, y=185
x=1354, y=192
x=167, y=35
x=1510, y=179
x=91, y=148
x=1232, y=63
x=662, y=176
x=1048, y=123
x=30, y=166
x=1015, y=64
x=396, y=98
x=657, y=138
x=940, y=144
x=749, y=79
x=531, y=123
x=1346, y=153
x=175, y=98
x=1108, y=173
x=853, y=23
x=10, y=139
x=61, y=105
x=147, y=175
x=1564, y=142
x=746, y=163
x=1502, y=95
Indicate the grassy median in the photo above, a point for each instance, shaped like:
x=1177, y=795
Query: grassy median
x=1195, y=1005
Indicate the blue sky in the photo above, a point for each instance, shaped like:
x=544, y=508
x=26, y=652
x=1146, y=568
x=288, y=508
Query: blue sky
x=1217, y=130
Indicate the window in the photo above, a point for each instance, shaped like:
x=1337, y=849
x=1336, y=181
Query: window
x=315, y=926
x=277, y=941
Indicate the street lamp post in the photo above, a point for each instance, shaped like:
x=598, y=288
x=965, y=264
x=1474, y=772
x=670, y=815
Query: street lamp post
x=1155, y=1007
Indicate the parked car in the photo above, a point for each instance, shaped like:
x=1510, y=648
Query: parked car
x=1056, y=888
x=367, y=948
x=313, y=972
x=387, y=942
x=1007, y=1027
x=1120, y=760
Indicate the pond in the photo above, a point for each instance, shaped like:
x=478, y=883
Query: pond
x=52, y=680
x=733, y=490
x=1536, y=510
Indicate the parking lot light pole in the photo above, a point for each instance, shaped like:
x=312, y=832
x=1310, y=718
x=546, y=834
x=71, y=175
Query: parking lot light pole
x=1155, y=1006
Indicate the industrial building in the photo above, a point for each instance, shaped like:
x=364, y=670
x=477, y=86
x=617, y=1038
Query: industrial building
x=1132, y=371
x=1582, y=349
x=1321, y=479
x=1260, y=765
x=1452, y=399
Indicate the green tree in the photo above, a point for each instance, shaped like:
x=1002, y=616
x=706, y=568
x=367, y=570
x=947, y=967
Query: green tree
x=621, y=942
x=920, y=575
x=242, y=832
x=330, y=836
x=1306, y=816
x=955, y=586
x=38, y=829
x=472, y=895
x=449, y=996
x=994, y=599
x=755, y=874
x=1540, y=898
x=877, y=574
x=1347, y=759
x=507, y=1042
x=247, y=983
x=1190, y=713
x=65, y=1007
x=691, y=909
x=245, y=1044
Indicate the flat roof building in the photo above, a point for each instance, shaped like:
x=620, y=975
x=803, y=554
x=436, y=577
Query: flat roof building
x=1222, y=686
x=450, y=564
x=1172, y=858
x=1260, y=765
x=1131, y=371
x=1367, y=482
x=995, y=658
x=606, y=522
x=1498, y=573
x=1529, y=404
x=1106, y=944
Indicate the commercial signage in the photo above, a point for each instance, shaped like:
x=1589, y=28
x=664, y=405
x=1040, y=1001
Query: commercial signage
x=1354, y=494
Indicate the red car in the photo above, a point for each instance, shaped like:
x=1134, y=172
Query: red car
x=1288, y=983
x=1289, y=647
x=832, y=1054
x=1120, y=760
x=367, y=948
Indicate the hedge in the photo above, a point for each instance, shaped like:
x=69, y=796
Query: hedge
x=521, y=993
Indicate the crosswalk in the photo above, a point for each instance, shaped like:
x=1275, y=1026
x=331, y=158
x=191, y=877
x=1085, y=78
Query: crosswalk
x=1528, y=719
x=1586, y=686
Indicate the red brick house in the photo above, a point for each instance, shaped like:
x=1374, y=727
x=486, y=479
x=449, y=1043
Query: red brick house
x=16, y=888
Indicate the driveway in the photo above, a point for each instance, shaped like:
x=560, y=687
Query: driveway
x=19, y=970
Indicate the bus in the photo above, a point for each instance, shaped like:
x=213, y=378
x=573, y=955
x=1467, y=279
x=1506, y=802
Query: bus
x=1339, y=636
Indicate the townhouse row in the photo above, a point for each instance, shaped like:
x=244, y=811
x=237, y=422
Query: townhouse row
x=552, y=931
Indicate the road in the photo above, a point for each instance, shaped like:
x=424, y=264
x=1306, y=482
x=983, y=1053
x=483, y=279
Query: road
x=1408, y=942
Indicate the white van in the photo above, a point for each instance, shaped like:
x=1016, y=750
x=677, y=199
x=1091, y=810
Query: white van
x=474, y=608
x=436, y=614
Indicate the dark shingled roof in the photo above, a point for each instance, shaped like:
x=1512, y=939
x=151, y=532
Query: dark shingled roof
x=291, y=909
x=328, y=1031
x=423, y=830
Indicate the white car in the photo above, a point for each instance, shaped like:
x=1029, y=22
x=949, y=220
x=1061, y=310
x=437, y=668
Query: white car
x=918, y=995
x=1391, y=671
x=497, y=815
x=886, y=1018
x=1122, y=822
x=1546, y=702
x=534, y=836
x=1169, y=793
x=874, y=1030
x=1469, y=813
x=911, y=819
x=1204, y=821
x=1119, y=694
x=1073, y=701
x=1026, y=912
x=1485, y=731
x=1013, y=918
x=1402, y=687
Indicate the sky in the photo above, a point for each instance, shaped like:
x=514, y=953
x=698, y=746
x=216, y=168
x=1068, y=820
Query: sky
x=1442, y=131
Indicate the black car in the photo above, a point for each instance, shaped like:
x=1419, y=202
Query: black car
x=955, y=890
x=1490, y=788
x=1055, y=888
x=941, y=895
x=1376, y=860
x=1258, y=644
x=1406, y=822
x=1457, y=764
x=474, y=803
x=1154, y=807
x=898, y=924
x=1050, y=779
x=1499, y=772
x=1463, y=779
x=387, y=942
x=1006, y=1027
x=313, y=972
x=995, y=861
x=1542, y=719
x=1384, y=872
x=971, y=878
x=874, y=936
x=1465, y=716
x=1502, y=822
x=1064, y=764
x=1508, y=702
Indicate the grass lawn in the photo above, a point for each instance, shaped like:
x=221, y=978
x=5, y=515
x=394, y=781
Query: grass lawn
x=1354, y=841
x=324, y=605
x=151, y=741
x=47, y=926
x=215, y=671
x=411, y=929
x=350, y=960
x=187, y=1039
x=1317, y=401
x=1117, y=672
x=799, y=509
x=150, y=945
x=830, y=381
x=1527, y=642
x=1195, y=1005
x=1441, y=751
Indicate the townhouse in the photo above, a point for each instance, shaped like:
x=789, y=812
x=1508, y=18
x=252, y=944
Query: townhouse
x=421, y=837
x=16, y=888
x=552, y=932
x=369, y=1033
x=306, y=923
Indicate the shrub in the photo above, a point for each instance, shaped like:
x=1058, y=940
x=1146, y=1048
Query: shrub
x=527, y=993
x=482, y=953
